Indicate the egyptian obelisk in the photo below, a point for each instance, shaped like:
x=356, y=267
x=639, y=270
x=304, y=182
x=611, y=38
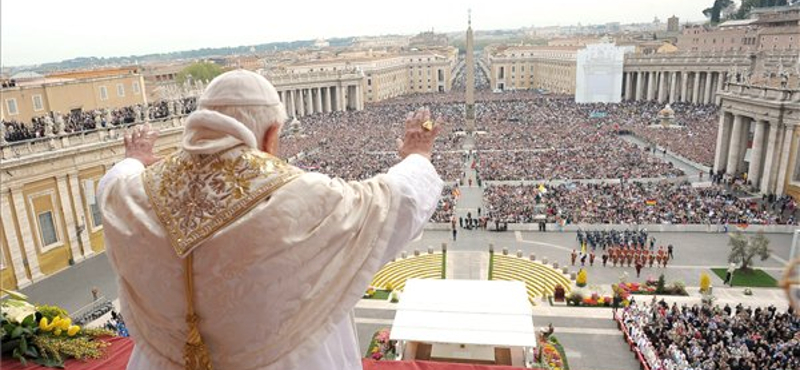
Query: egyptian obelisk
x=470, y=111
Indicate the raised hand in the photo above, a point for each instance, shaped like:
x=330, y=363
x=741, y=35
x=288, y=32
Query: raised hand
x=139, y=144
x=420, y=134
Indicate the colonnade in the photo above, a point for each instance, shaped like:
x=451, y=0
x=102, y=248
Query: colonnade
x=302, y=101
x=698, y=87
x=769, y=146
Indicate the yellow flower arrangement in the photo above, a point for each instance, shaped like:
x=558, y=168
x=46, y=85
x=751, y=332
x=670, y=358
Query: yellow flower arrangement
x=46, y=334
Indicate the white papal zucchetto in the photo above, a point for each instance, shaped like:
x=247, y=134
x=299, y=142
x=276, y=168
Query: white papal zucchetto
x=238, y=88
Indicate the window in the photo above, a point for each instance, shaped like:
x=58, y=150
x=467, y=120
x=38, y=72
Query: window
x=11, y=107
x=47, y=229
x=120, y=90
x=136, y=89
x=37, y=103
x=103, y=93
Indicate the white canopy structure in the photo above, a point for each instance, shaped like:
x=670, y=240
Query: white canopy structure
x=465, y=312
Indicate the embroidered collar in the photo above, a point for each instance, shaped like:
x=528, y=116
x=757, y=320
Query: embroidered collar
x=195, y=196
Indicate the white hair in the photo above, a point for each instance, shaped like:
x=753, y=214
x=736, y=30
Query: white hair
x=258, y=118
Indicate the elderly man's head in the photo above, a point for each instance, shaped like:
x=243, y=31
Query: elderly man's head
x=250, y=99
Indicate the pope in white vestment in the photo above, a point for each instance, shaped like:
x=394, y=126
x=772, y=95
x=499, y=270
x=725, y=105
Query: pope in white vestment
x=279, y=256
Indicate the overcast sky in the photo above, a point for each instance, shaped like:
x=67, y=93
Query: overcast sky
x=37, y=31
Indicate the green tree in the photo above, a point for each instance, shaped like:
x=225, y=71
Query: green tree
x=203, y=71
x=743, y=249
x=714, y=13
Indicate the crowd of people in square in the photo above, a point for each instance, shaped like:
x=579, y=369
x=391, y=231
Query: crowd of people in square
x=661, y=202
x=552, y=137
x=719, y=338
x=80, y=120
x=694, y=140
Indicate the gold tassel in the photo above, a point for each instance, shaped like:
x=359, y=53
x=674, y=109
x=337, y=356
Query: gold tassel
x=195, y=352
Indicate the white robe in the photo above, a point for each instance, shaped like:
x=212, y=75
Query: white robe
x=288, y=271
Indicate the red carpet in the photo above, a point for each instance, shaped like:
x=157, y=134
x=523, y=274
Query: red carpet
x=121, y=348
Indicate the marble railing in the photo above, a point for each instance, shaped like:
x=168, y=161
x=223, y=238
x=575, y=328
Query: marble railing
x=763, y=92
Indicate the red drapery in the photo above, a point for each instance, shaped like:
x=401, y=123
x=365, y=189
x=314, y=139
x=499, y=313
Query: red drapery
x=116, y=358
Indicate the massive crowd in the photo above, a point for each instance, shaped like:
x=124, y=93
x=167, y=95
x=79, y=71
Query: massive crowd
x=359, y=144
x=78, y=120
x=714, y=338
x=544, y=138
x=695, y=138
x=628, y=203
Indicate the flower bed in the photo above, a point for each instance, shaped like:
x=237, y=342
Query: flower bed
x=595, y=299
x=552, y=355
x=655, y=286
x=45, y=334
x=381, y=348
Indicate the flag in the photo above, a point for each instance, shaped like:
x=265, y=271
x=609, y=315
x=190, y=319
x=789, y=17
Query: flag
x=542, y=189
x=650, y=202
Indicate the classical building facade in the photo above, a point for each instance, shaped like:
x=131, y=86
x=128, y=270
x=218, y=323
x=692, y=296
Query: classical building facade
x=693, y=77
x=63, y=93
x=387, y=75
x=319, y=92
x=758, y=135
x=532, y=67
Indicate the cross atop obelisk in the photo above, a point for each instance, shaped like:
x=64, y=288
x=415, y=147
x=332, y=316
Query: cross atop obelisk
x=470, y=61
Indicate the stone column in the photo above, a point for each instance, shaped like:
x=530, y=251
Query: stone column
x=327, y=101
x=673, y=87
x=318, y=100
x=651, y=86
x=684, y=86
x=734, y=146
x=707, y=95
x=359, y=98
x=696, y=88
x=290, y=111
x=783, y=169
x=743, y=141
x=27, y=232
x=301, y=103
x=768, y=177
x=69, y=219
x=662, y=87
x=723, y=140
x=15, y=250
x=309, y=98
x=339, y=97
x=638, y=95
x=629, y=86
x=757, y=153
